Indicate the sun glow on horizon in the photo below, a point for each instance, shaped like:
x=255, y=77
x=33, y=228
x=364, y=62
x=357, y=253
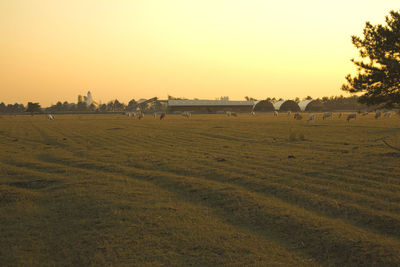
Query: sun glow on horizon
x=55, y=50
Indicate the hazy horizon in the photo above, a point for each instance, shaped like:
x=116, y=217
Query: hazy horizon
x=55, y=50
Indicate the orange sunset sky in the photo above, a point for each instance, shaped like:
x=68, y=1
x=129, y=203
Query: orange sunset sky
x=53, y=50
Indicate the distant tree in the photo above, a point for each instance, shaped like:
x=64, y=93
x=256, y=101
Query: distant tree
x=110, y=106
x=10, y=108
x=132, y=105
x=81, y=106
x=378, y=78
x=33, y=108
x=2, y=107
x=118, y=106
x=65, y=106
x=156, y=106
x=92, y=107
x=59, y=106
x=16, y=107
x=103, y=107
x=308, y=98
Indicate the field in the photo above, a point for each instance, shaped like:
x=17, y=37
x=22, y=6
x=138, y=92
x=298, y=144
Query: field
x=210, y=190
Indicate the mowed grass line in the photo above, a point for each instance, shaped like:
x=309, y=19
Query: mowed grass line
x=170, y=147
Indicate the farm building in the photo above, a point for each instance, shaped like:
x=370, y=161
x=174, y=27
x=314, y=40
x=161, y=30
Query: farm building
x=286, y=105
x=210, y=106
x=263, y=106
x=310, y=105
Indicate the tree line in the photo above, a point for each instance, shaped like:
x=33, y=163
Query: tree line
x=325, y=103
x=59, y=107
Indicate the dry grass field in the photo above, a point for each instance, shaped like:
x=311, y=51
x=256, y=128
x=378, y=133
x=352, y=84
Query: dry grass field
x=209, y=190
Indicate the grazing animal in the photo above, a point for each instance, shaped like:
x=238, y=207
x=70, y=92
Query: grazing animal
x=162, y=116
x=228, y=113
x=50, y=117
x=252, y=113
x=351, y=116
x=378, y=114
x=388, y=114
x=311, y=118
x=234, y=114
x=365, y=113
x=276, y=113
x=327, y=115
x=340, y=115
x=186, y=114
x=297, y=116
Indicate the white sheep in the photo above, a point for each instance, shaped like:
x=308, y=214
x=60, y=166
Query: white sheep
x=351, y=116
x=50, y=117
x=388, y=114
x=186, y=114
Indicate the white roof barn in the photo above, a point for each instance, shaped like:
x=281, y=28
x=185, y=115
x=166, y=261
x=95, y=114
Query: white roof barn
x=210, y=106
x=209, y=103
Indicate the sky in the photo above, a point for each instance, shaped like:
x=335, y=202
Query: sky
x=53, y=50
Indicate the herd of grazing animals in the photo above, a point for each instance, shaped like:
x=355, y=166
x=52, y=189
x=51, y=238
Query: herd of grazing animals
x=297, y=116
